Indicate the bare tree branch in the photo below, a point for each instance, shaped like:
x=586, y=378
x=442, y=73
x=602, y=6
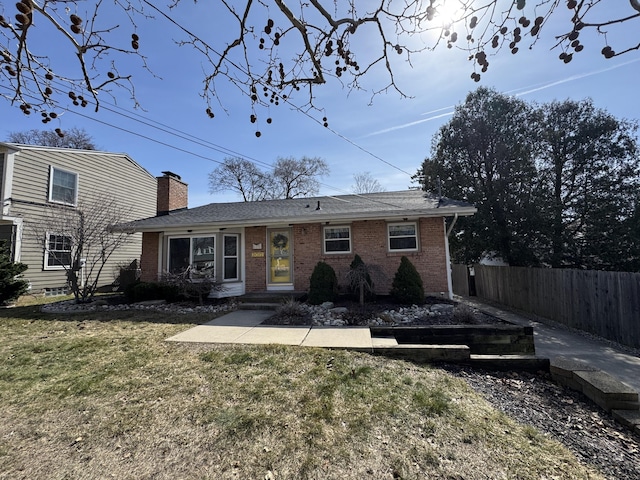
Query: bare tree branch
x=280, y=47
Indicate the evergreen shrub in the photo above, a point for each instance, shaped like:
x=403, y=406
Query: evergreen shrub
x=407, y=287
x=11, y=287
x=323, y=285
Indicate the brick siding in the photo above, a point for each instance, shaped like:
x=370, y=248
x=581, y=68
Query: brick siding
x=369, y=240
x=255, y=267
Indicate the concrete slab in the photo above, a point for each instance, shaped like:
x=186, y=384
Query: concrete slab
x=339, y=337
x=210, y=334
x=290, y=335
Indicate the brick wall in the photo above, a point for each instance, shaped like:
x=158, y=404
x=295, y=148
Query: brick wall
x=369, y=240
x=256, y=267
x=173, y=194
x=149, y=258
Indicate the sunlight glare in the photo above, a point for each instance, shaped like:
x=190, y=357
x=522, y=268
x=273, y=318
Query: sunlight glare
x=447, y=12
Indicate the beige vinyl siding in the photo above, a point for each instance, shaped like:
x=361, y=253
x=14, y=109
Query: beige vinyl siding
x=114, y=175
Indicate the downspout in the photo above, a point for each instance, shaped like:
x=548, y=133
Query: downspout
x=453, y=223
x=448, y=256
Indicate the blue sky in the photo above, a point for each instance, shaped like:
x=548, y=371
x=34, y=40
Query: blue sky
x=388, y=138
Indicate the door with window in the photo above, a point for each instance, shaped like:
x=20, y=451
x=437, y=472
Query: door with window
x=280, y=263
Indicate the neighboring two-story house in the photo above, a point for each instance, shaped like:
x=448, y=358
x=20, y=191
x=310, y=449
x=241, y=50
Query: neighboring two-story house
x=274, y=245
x=33, y=178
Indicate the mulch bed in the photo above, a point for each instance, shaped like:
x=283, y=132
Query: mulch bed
x=563, y=414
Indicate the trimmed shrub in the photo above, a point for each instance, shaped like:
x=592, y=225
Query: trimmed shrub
x=407, y=287
x=323, y=285
x=11, y=287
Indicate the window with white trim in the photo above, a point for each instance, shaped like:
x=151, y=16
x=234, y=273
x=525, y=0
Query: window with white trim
x=337, y=239
x=196, y=252
x=58, y=252
x=63, y=186
x=230, y=257
x=403, y=237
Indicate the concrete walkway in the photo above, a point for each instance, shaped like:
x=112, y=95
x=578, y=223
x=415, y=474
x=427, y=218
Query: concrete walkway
x=244, y=326
x=556, y=342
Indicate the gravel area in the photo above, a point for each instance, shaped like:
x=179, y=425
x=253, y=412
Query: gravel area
x=379, y=314
x=563, y=414
x=117, y=304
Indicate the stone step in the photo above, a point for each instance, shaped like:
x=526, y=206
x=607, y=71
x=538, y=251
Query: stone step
x=628, y=418
x=258, y=306
x=602, y=388
x=269, y=297
x=607, y=392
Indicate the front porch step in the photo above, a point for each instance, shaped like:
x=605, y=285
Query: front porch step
x=276, y=298
x=258, y=306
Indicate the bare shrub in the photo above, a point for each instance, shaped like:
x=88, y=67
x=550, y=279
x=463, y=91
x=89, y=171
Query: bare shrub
x=464, y=314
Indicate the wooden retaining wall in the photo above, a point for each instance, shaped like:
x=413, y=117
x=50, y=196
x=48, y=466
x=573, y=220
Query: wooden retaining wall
x=481, y=339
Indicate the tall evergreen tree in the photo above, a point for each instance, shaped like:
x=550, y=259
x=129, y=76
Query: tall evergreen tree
x=555, y=184
x=588, y=163
x=485, y=155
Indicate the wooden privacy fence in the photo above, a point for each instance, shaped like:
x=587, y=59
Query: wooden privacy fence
x=460, y=279
x=604, y=303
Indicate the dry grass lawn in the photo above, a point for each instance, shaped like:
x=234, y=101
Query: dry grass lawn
x=93, y=396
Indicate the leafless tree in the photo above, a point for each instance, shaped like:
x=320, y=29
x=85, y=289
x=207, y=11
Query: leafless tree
x=241, y=176
x=87, y=238
x=365, y=183
x=290, y=178
x=277, y=47
x=298, y=178
x=72, y=138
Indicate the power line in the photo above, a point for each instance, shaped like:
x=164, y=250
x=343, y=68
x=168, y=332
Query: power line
x=286, y=100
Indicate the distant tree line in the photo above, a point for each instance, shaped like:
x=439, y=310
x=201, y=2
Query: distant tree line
x=555, y=184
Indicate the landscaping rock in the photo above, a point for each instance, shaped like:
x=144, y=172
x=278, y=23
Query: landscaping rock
x=442, y=308
x=338, y=310
x=69, y=306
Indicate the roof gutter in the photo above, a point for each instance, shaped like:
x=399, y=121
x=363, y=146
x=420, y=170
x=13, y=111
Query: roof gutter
x=328, y=218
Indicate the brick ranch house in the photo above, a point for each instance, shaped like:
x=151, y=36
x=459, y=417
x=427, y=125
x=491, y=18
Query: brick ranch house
x=274, y=245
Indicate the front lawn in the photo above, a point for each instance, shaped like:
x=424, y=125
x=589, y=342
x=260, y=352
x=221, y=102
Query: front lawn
x=102, y=395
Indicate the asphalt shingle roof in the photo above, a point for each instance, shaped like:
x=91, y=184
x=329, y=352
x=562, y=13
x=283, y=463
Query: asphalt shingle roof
x=407, y=203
